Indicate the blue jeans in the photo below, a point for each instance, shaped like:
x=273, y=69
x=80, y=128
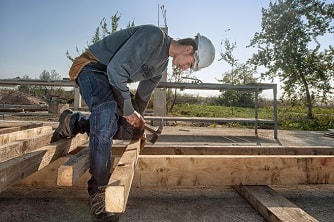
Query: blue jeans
x=97, y=93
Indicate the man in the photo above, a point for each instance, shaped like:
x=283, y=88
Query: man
x=136, y=54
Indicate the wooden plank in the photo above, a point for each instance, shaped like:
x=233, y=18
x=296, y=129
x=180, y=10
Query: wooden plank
x=78, y=164
x=118, y=188
x=170, y=149
x=46, y=177
x=115, y=161
x=10, y=150
x=18, y=168
x=18, y=128
x=222, y=170
x=9, y=123
x=74, y=168
x=24, y=134
x=272, y=206
x=20, y=147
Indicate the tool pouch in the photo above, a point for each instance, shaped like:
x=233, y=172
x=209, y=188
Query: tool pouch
x=79, y=62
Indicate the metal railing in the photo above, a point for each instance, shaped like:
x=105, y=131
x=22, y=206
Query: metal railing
x=256, y=88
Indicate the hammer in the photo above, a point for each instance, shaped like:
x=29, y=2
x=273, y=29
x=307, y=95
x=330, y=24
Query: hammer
x=156, y=132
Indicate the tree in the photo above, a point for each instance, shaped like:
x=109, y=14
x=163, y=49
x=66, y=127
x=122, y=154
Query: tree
x=242, y=74
x=45, y=92
x=104, y=26
x=49, y=76
x=25, y=88
x=239, y=74
x=105, y=31
x=228, y=57
x=229, y=96
x=172, y=93
x=289, y=48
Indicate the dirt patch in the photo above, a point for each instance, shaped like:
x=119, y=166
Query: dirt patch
x=20, y=98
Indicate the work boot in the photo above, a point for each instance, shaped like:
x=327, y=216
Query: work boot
x=97, y=209
x=63, y=130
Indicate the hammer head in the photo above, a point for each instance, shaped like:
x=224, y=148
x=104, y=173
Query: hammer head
x=156, y=134
x=155, y=131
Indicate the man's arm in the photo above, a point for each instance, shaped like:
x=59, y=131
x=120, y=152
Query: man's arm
x=143, y=93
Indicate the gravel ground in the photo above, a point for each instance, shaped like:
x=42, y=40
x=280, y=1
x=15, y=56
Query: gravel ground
x=168, y=205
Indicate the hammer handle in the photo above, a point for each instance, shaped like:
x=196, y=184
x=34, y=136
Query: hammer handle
x=150, y=128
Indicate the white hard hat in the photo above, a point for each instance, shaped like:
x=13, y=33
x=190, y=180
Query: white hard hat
x=205, y=53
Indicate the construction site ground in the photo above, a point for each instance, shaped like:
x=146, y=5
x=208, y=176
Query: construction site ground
x=20, y=203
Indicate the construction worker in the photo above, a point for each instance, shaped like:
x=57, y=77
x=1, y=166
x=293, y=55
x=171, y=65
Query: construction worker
x=136, y=54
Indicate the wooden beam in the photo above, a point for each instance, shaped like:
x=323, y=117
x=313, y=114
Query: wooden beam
x=221, y=170
x=10, y=150
x=46, y=177
x=170, y=149
x=20, y=147
x=118, y=188
x=74, y=168
x=271, y=205
x=115, y=161
x=18, y=128
x=9, y=123
x=78, y=164
x=18, y=168
x=23, y=134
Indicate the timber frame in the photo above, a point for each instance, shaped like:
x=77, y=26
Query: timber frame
x=25, y=153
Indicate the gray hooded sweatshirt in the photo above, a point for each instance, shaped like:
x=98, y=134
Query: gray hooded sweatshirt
x=136, y=54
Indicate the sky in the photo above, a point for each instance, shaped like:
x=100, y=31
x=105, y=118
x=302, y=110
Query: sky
x=35, y=34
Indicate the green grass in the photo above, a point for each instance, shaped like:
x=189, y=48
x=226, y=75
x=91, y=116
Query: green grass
x=289, y=118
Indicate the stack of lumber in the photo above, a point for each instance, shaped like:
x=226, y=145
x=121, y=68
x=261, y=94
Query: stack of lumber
x=26, y=149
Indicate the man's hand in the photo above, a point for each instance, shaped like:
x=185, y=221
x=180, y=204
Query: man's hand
x=136, y=120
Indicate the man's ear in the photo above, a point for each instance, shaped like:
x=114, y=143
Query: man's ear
x=189, y=49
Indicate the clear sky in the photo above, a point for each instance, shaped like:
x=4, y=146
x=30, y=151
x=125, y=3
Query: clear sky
x=35, y=34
